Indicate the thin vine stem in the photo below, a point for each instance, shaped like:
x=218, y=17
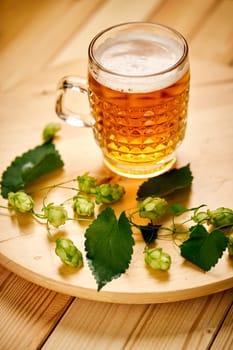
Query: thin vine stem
x=59, y=185
x=4, y=207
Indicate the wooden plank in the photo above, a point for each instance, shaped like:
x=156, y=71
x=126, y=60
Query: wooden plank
x=213, y=40
x=112, y=12
x=4, y=274
x=224, y=338
x=40, y=36
x=141, y=327
x=87, y=326
x=199, y=321
x=183, y=15
x=14, y=16
x=27, y=313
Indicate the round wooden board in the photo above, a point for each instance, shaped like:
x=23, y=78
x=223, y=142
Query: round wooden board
x=26, y=249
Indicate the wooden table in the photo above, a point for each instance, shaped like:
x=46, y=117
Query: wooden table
x=43, y=41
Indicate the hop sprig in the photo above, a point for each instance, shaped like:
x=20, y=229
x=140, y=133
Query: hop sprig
x=20, y=201
x=109, y=193
x=68, y=252
x=50, y=130
x=87, y=183
x=200, y=217
x=230, y=245
x=83, y=205
x=152, y=208
x=157, y=259
x=221, y=217
x=56, y=215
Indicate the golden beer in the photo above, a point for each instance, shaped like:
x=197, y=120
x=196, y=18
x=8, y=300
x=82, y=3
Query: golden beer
x=138, y=90
x=139, y=98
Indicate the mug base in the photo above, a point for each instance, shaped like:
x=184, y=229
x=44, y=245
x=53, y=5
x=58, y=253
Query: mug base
x=140, y=171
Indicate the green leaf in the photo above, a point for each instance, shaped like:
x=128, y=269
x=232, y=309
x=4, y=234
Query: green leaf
x=149, y=232
x=29, y=167
x=177, y=209
x=167, y=183
x=204, y=249
x=108, y=245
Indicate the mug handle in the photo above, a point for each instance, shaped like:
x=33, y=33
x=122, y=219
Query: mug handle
x=76, y=84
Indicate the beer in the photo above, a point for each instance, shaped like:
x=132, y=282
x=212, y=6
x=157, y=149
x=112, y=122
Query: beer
x=138, y=90
x=139, y=100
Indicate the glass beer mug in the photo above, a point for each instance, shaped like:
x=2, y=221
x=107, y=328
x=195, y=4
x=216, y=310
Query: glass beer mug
x=138, y=91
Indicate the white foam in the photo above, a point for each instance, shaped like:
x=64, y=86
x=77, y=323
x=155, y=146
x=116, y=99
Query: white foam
x=137, y=59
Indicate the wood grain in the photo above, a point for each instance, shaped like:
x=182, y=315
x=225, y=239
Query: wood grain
x=184, y=281
x=141, y=327
x=19, y=57
x=109, y=14
x=36, y=259
x=216, y=44
x=35, y=311
x=179, y=15
x=224, y=337
x=37, y=46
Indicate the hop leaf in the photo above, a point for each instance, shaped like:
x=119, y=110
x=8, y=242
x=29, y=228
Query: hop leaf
x=29, y=167
x=177, y=209
x=166, y=183
x=203, y=248
x=149, y=232
x=108, y=245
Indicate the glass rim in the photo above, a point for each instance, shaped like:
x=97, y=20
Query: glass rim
x=183, y=56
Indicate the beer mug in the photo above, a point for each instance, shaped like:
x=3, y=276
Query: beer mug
x=138, y=92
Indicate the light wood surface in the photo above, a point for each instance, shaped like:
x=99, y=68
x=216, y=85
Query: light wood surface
x=36, y=259
x=42, y=41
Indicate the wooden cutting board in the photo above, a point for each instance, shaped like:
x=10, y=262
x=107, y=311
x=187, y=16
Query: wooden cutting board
x=27, y=250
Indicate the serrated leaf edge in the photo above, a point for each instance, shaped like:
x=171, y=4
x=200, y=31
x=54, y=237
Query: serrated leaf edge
x=102, y=283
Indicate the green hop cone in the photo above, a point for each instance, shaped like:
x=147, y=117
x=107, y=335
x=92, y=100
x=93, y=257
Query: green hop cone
x=109, y=193
x=152, y=208
x=221, y=217
x=83, y=206
x=230, y=245
x=200, y=217
x=87, y=184
x=20, y=201
x=50, y=131
x=68, y=252
x=55, y=214
x=157, y=259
